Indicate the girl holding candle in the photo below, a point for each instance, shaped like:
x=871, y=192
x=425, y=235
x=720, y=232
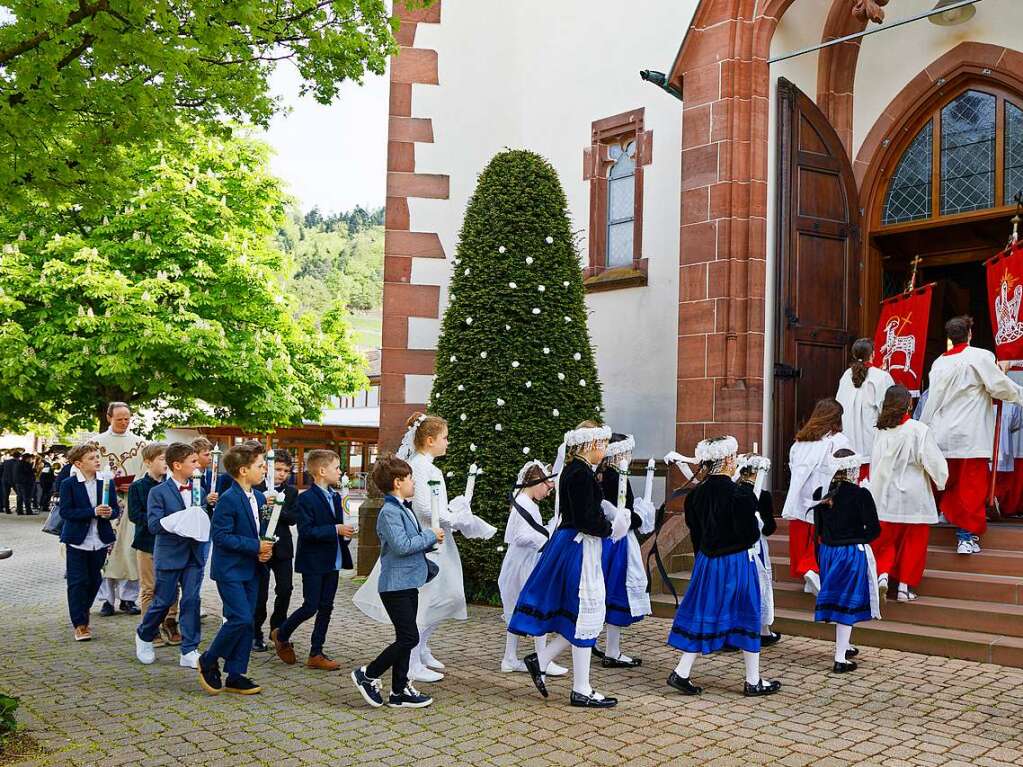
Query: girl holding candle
x=751, y=466
x=525, y=536
x=624, y=572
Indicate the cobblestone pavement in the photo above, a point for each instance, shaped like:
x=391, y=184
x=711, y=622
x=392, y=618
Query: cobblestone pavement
x=93, y=703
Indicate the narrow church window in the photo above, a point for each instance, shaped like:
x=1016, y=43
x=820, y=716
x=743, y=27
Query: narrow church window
x=909, y=194
x=621, y=211
x=1013, y=152
x=968, y=153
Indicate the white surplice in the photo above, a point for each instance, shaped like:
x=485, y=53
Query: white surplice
x=810, y=466
x=959, y=402
x=905, y=461
x=861, y=407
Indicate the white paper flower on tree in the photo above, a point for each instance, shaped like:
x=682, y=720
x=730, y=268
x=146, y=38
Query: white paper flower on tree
x=566, y=283
x=461, y=387
x=457, y=261
x=550, y=240
x=568, y=319
x=561, y=376
x=500, y=402
x=536, y=310
x=507, y=327
x=468, y=320
x=515, y=363
x=454, y=358
x=555, y=412
x=582, y=381
x=529, y=384
x=472, y=447
x=467, y=271
x=500, y=549
x=512, y=285
x=483, y=355
x=498, y=427
x=502, y=249
x=547, y=350
x=577, y=356
x=529, y=260
x=541, y=288
x=525, y=451
x=463, y=416
x=450, y=474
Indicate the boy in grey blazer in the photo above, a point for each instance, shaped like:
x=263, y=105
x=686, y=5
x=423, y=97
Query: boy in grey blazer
x=404, y=569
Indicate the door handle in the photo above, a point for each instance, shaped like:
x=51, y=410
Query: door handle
x=790, y=317
x=784, y=370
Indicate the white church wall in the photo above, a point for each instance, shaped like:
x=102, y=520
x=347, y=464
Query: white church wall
x=537, y=79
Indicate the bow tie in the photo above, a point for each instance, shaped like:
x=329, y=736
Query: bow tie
x=407, y=505
x=183, y=488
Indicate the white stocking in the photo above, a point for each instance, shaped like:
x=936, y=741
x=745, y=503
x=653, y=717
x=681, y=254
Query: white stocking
x=843, y=634
x=765, y=630
x=552, y=650
x=424, y=643
x=581, y=670
x=685, y=664
x=613, y=649
x=511, y=647
x=752, y=660
x=540, y=644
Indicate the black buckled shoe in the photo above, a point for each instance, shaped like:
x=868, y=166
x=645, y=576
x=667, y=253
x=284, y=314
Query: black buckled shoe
x=593, y=700
x=844, y=668
x=852, y=652
x=766, y=640
x=533, y=667
x=684, y=686
x=608, y=662
x=760, y=688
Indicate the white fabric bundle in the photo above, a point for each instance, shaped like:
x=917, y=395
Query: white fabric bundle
x=647, y=515
x=590, y=620
x=461, y=518
x=192, y=522
x=636, y=580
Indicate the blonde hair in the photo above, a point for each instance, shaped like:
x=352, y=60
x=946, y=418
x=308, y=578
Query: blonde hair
x=431, y=426
x=315, y=459
x=153, y=450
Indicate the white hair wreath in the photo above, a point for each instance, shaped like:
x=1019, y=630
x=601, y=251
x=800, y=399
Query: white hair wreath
x=622, y=447
x=407, y=449
x=753, y=462
x=587, y=436
x=716, y=449
x=848, y=463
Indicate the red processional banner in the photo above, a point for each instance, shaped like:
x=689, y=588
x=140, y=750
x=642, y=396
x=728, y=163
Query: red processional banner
x=901, y=336
x=1005, y=293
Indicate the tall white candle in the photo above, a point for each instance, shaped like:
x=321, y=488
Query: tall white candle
x=648, y=489
x=434, y=503
x=623, y=483
x=271, y=526
x=270, y=470
x=196, y=488
x=470, y=483
x=105, y=491
x=214, y=468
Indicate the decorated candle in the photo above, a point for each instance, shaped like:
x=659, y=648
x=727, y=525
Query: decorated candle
x=434, y=503
x=270, y=470
x=214, y=467
x=105, y=491
x=648, y=489
x=623, y=483
x=196, y=488
x=470, y=483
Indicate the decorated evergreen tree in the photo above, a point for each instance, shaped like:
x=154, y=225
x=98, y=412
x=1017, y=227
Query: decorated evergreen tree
x=515, y=368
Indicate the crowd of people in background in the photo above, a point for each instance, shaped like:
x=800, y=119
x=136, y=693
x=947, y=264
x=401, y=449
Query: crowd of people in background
x=29, y=477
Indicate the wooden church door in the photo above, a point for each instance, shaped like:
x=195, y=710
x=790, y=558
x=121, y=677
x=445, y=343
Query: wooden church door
x=818, y=266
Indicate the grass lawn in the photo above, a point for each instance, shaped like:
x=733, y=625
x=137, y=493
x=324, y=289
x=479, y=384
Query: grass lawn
x=366, y=328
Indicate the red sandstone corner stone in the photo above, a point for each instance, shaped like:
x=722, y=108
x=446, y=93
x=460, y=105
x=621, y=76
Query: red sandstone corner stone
x=693, y=282
x=401, y=157
x=699, y=242
x=696, y=317
x=416, y=244
x=424, y=185
x=692, y=356
x=415, y=65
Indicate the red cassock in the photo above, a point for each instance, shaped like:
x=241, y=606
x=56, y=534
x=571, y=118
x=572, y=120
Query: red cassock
x=802, y=552
x=964, y=501
x=1009, y=490
x=901, y=551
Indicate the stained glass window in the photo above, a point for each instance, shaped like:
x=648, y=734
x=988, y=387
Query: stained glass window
x=909, y=193
x=1013, y=152
x=968, y=153
x=621, y=196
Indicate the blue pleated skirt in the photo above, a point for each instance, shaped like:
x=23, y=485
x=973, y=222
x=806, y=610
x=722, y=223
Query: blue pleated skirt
x=549, y=601
x=845, y=585
x=721, y=606
x=615, y=563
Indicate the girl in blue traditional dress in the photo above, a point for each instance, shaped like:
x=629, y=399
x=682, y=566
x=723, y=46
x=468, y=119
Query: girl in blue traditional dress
x=845, y=524
x=625, y=578
x=750, y=468
x=721, y=607
x=564, y=594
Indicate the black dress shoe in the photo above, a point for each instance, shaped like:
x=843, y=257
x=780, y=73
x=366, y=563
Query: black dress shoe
x=684, y=686
x=106, y=610
x=852, y=652
x=129, y=607
x=258, y=645
x=844, y=668
x=607, y=662
x=597, y=653
x=591, y=701
x=241, y=685
x=760, y=688
x=766, y=640
x=533, y=667
x=209, y=677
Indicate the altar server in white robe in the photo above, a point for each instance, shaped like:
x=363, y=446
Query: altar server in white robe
x=964, y=382
x=810, y=468
x=860, y=393
x=906, y=462
x=443, y=598
x=525, y=535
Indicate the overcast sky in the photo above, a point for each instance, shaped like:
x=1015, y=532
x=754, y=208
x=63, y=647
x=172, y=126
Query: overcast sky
x=333, y=156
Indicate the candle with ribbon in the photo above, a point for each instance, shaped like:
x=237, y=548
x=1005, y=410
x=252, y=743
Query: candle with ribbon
x=197, y=488
x=270, y=470
x=434, y=485
x=275, y=518
x=214, y=467
x=623, y=483
x=648, y=488
x=470, y=483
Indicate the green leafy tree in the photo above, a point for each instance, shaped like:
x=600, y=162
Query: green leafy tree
x=515, y=367
x=83, y=80
x=172, y=300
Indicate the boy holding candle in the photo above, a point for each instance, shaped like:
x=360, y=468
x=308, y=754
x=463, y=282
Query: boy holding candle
x=178, y=561
x=280, y=563
x=237, y=551
x=322, y=552
x=87, y=505
x=204, y=451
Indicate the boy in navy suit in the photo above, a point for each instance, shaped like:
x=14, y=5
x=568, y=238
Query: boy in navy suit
x=87, y=532
x=322, y=552
x=237, y=552
x=177, y=561
x=204, y=450
x=280, y=563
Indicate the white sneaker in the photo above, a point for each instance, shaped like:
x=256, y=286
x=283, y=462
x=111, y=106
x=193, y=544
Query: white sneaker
x=189, y=660
x=553, y=669
x=144, y=650
x=975, y=542
x=509, y=666
x=812, y=583
x=882, y=586
x=965, y=547
x=424, y=674
x=429, y=661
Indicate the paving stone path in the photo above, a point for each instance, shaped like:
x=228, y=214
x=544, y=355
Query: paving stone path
x=94, y=704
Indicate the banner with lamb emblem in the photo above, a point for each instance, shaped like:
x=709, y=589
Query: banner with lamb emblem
x=901, y=336
x=1005, y=293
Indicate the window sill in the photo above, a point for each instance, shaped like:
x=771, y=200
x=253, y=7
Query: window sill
x=615, y=279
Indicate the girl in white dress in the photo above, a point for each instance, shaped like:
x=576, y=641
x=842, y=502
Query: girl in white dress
x=861, y=394
x=524, y=539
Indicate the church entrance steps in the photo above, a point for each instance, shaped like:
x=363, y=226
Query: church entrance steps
x=1007, y=534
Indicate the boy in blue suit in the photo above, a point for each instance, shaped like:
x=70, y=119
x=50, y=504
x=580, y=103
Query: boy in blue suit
x=322, y=552
x=204, y=451
x=177, y=561
x=86, y=531
x=404, y=569
x=237, y=552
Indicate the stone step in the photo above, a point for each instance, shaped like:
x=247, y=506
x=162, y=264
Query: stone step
x=893, y=635
x=1006, y=535
x=927, y=611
